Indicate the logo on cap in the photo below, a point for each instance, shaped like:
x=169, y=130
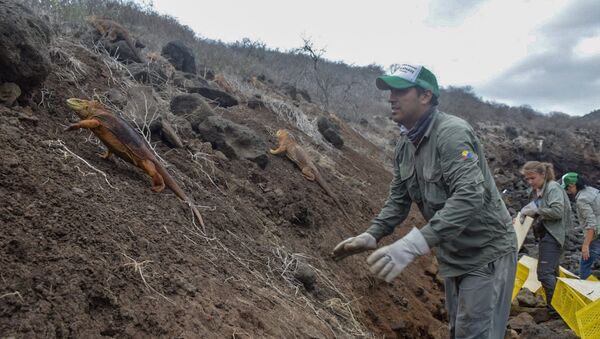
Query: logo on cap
x=408, y=72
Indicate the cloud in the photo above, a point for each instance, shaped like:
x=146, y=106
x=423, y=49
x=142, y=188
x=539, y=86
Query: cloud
x=581, y=14
x=565, y=74
x=588, y=47
x=451, y=13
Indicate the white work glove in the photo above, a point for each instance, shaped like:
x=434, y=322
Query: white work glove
x=530, y=209
x=353, y=245
x=388, y=261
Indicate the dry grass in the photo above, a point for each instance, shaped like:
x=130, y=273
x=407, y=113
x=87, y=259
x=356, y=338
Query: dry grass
x=16, y=293
x=66, y=152
x=296, y=117
x=138, y=267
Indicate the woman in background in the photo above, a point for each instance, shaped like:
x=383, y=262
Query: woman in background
x=587, y=203
x=549, y=203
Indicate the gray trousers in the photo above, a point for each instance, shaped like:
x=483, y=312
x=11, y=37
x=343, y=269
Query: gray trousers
x=478, y=302
x=547, y=269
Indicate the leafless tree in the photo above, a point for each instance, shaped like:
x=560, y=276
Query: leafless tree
x=325, y=82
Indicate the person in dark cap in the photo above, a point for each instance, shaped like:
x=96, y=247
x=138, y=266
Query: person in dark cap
x=439, y=164
x=587, y=203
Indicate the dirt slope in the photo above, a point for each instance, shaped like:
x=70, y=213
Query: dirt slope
x=87, y=250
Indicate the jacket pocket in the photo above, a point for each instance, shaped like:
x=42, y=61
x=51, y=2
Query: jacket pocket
x=407, y=169
x=434, y=190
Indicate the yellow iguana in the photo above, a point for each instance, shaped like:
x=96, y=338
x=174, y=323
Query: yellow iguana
x=163, y=64
x=113, y=31
x=298, y=155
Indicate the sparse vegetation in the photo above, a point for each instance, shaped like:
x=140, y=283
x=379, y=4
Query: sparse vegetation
x=346, y=90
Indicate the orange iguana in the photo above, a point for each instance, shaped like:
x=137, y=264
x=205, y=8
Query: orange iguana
x=113, y=31
x=121, y=139
x=298, y=155
x=223, y=83
x=165, y=66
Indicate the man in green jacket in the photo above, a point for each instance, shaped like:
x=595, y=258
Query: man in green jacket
x=440, y=166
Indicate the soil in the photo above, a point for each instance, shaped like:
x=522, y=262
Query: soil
x=87, y=250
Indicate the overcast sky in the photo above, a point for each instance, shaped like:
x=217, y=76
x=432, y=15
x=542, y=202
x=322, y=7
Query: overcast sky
x=543, y=53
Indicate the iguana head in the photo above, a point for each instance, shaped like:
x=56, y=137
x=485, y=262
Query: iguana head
x=283, y=136
x=83, y=108
x=91, y=18
x=281, y=133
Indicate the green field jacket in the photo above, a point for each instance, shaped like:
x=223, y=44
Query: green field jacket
x=447, y=177
x=555, y=210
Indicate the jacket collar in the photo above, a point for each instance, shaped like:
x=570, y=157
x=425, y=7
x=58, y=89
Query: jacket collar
x=434, y=117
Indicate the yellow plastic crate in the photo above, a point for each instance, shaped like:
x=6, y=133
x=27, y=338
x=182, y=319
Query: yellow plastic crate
x=588, y=320
x=521, y=276
x=541, y=292
x=566, y=301
x=564, y=273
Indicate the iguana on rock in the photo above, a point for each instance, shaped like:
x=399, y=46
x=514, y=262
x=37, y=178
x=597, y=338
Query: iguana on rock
x=164, y=65
x=121, y=139
x=298, y=155
x=113, y=31
x=223, y=83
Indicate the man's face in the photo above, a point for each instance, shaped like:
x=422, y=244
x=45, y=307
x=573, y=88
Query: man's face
x=408, y=106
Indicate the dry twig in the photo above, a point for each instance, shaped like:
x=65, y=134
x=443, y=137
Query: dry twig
x=67, y=152
x=138, y=266
x=11, y=294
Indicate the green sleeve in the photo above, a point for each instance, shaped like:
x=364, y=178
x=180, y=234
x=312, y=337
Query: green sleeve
x=459, y=158
x=396, y=207
x=555, y=202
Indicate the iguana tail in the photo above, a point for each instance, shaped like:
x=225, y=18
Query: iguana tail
x=171, y=184
x=327, y=190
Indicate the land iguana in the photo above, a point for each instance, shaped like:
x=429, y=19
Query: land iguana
x=121, y=139
x=113, y=32
x=298, y=155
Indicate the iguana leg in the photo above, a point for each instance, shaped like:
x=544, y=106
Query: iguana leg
x=278, y=150
x=90, y=123
x=105, y=155
x=308, y=173
x=158, y=184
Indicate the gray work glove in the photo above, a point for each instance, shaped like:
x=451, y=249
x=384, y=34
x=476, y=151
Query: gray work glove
x=530, y=209
x=388, y=261
x=353, y=245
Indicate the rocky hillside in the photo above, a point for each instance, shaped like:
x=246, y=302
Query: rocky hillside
x=88, y=250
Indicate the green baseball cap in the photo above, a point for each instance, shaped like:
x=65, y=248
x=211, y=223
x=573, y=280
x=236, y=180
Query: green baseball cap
x=568, y=179
x=409, y=76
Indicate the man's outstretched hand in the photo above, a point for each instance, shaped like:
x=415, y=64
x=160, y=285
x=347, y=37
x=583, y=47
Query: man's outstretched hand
x=354, y=245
